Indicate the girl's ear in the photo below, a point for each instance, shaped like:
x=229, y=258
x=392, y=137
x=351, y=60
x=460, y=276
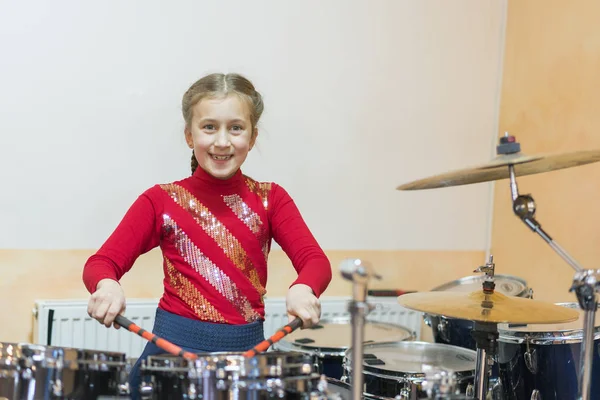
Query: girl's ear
x=253, y=138
x=188, y=138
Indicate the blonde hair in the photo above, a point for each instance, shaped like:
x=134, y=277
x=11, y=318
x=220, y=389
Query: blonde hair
x=217, y=85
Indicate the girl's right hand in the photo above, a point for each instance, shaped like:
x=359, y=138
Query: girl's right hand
x=107, y=302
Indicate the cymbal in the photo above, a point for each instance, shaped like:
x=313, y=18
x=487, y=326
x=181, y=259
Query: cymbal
x=494, y=308
x=497, y=169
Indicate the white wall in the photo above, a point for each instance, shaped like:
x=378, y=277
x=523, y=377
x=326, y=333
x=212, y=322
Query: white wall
x=360, y=97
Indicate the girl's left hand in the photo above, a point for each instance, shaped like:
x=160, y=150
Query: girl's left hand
x=301, y=302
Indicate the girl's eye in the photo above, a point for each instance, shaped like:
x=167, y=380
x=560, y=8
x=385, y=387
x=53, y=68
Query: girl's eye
x=236, y=128
x=209, y=127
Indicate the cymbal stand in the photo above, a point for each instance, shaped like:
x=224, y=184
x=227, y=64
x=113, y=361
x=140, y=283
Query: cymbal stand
x=586, y=282
x=485, y=335
x=359, y=273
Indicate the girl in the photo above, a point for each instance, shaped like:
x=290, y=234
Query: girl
x=214, y=229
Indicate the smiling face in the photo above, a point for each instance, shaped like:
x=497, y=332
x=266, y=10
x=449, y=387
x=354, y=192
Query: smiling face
x=221, y=134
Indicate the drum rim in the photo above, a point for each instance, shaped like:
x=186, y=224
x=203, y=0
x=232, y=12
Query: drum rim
x=236, y=361
x=473, y=278
x=325, y=351
x=548, y=337
x=409, y=376
x=234, y=354
x=75, y=358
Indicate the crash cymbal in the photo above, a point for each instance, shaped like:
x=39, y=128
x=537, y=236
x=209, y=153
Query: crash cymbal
x=481, y=307
x=497, y=169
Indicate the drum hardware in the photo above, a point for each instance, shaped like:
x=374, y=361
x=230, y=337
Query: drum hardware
x=510, y=163
x=486, y=308
x=530, y=357
x=359, y=273
x=438, y=382
x=441, y=384
x=586, y=285
x=585, y=282
x=485, y=335
x=442, y=328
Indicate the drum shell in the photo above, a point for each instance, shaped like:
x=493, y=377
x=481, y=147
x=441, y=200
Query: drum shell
x=58, y=372
x=223, y=375
x=546, y=360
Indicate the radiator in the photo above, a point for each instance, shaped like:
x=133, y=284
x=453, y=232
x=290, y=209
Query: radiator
x=65, y=323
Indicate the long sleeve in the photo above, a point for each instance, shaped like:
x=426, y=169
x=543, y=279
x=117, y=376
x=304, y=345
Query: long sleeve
x=296, y=240
x=136, y=234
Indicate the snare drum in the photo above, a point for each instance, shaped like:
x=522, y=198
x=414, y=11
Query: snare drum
x=45, y=372
x=543, y=360
x=330, y=339
x=457, y=332
x=227, y=375
x=399, y=368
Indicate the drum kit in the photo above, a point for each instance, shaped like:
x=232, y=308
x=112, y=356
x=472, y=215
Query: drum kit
x=491, y=339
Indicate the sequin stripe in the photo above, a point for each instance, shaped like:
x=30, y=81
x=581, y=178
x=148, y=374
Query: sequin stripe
x=250, y=219
x=191, y=296
x=244, y=213
x=261, y=189
x=208, y=270
x=216, y=230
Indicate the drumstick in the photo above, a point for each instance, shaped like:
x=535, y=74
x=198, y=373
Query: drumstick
x=277, y=336
x=151, y=337
x=388, y=292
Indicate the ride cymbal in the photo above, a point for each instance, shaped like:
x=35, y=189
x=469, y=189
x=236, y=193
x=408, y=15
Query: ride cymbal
x=493, y=308
x=498, y=169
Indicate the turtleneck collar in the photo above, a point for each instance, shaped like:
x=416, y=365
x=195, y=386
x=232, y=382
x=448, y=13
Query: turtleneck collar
x=205, y=179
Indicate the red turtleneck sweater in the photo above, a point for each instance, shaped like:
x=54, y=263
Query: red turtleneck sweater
x=215, y=236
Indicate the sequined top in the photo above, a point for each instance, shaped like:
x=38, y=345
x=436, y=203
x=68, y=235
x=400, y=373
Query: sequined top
x=215, y=236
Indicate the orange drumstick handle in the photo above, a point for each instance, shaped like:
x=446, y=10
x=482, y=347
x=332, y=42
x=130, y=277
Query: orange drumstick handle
x=151, y=337
x=277, y=336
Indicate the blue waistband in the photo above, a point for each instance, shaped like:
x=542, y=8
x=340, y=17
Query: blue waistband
x=206, y=336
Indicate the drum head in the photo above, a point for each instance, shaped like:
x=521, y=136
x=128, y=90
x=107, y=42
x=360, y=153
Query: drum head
x=506, y=284
x=407, y=359
x=334, y=336
x=568, y=332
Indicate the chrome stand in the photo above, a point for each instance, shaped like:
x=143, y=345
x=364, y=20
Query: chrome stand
x=585, y=285
x=485, y=335
x=586, y=282
x=359, y=273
